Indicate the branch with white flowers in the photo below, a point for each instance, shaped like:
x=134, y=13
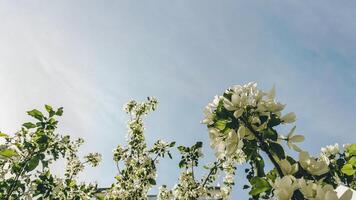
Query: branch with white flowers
x=242, y=123
x=242, y=126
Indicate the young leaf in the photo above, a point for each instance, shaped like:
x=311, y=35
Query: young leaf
x=48, y=108
x=352, y=161
x=8, y=153
x=348, y=170
x=220, y=124
x=352, y=150
x=59, y=111
x=3, y=135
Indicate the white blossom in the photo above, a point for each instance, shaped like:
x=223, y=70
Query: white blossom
x=93, y=158
x=164, y=193
x=209, y=116
x=288, y=118
x=318, y=191
x=330, y=150
x=312, y=165
x=291, y=139
x=287, y=168
x=285, y=187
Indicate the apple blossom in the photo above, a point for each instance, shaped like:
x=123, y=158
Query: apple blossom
x=288, y=118
x=242, y=127
x=285, y=187
x=312, y=165
x=330, y=150
x=291, y=139
x=287, y=168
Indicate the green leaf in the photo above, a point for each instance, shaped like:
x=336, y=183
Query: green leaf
x=59, y=111
x=29, y=125
x=272, y=175
x=348, y=170
x=100, y=196
x=260, y=165
x=48, y=108
x=3, y=135
x=36, y=114
x=256, y=191
x=42, y=139
x=220, y=124
x=259, y=185
x=152, y=181
x=8, y=153
x=290, y=160
x=32, y=163
x=182, y=163
x=274, y=121
x=198, y=144
x=277, y=150
x=181, y=148
x=352, y=161
x=352, y=150
x=72, y=183
x=271, y=134
x=245, y=187
x=172, y=144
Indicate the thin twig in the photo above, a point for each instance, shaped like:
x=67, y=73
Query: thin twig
x=211, y=172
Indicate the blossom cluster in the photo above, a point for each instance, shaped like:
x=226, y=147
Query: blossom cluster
x=285, y=187
x=229, y=115
x=138, y=172
x=242, y=127
x=190, y=187
x=242, y=124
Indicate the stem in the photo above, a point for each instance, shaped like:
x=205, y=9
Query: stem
x=155, y=158
x=118, y=167
x=211, y=172
x=192, y=170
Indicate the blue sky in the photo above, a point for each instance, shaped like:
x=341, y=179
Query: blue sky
x=93, y=56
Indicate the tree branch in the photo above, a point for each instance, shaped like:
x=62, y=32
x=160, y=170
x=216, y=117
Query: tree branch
x=263, y=146
x=12, y=186
x=297, y=194
x=211, y=172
